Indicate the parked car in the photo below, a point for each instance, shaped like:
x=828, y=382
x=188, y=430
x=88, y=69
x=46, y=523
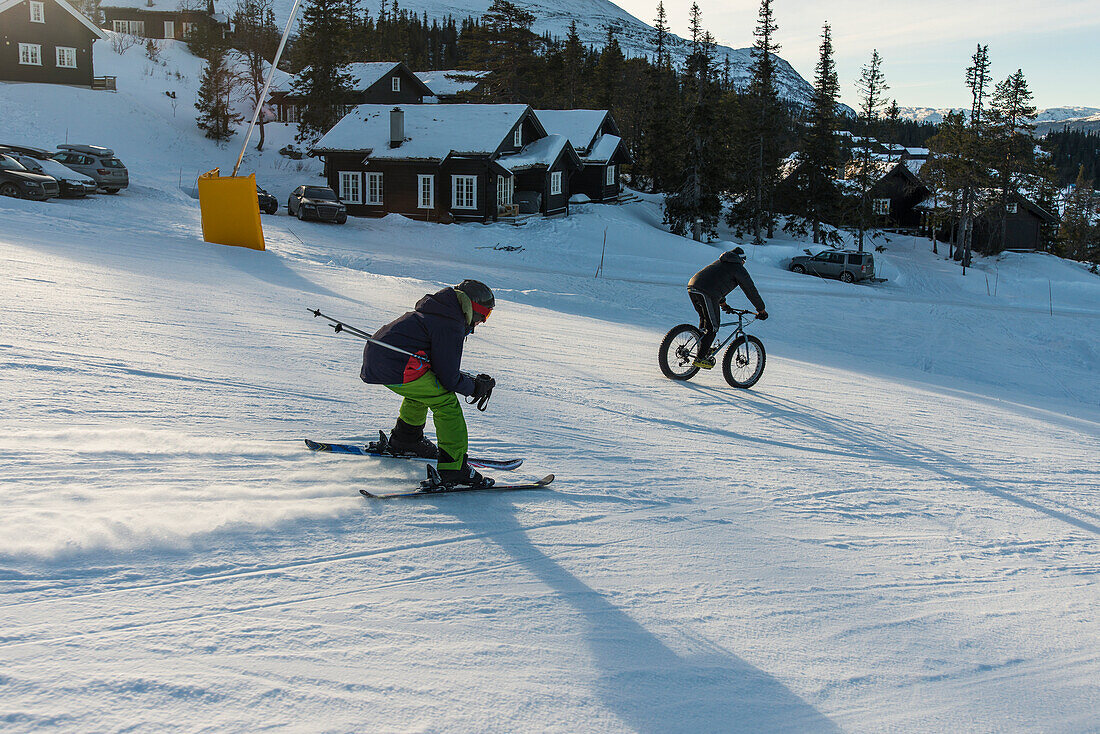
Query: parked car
x=95, y=162
x=15, y=180
x=268, y=203
x=72, y=184
x=848, y=265
x=317, y=202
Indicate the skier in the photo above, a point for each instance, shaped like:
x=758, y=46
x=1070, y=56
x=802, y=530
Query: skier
x=436, y=330
x=708, y=290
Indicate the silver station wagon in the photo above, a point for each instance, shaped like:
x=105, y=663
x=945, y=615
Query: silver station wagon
x=847, y=265
x=97, y=163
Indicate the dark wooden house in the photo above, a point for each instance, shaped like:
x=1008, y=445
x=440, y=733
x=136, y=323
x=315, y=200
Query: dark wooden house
x=375, y=82
x=46, y=41
x=1022, y=221
x=596, y=139
x=168, y=19
x=447, y=162
x=896, y=193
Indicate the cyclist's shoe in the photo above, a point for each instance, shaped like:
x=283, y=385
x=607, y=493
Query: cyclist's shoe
x=704, y=363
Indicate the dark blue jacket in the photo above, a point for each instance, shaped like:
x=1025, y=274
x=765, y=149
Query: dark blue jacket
x=719, y=278
x=436, y=330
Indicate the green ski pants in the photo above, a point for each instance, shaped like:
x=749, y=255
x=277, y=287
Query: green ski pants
x=426, y=393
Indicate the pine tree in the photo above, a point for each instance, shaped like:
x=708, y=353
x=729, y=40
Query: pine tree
x=872, y=89
x=764, y=123
x=504, y=45
x=322, y=50
x=660, y=37
x=573, y=61
x=977, y=80
x=1079, y=235
x=1013, y=160
x=821, y=149
x=609, y=73
x=217, y=88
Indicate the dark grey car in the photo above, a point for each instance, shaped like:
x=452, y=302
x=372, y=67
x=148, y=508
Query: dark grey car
x=95, y=162
x=16, y=180
x=847, y=265
x=316, y=202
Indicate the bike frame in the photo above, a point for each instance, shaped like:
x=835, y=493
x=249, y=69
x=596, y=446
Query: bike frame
x=738, y=331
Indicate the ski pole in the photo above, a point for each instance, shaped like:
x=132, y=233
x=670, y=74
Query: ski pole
x=339, y=326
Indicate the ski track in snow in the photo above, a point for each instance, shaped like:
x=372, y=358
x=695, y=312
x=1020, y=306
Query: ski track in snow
x=895, y=530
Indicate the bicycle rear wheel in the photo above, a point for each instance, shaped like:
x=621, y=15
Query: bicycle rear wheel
x=677, y=352
x=744, y=362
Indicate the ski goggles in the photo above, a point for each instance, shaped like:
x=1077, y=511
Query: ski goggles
x=484, y=311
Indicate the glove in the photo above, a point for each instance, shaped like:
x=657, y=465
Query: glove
x=483, y=386
x=762, y=315
x=725, y=306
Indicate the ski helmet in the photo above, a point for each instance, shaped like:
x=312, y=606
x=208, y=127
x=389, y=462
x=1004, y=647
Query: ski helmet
x=740, y=253
x=481, y=298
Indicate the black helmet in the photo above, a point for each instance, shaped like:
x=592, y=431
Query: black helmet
x=480, y=296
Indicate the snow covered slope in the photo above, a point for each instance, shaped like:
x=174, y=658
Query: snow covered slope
x=895, y=530
x=1052, y=118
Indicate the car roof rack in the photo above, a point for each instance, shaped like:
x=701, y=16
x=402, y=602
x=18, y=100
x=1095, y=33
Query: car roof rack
x=89, y=149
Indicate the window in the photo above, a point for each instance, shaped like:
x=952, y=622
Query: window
x=610, y=181
x=30, y=54
x=38, y=12
x=463, y=192
x=351, y=187
x=856, y=259
x=555, y=183
x=66, y=57
x=835, y=258
x=374, y=188
x=517, y=137
x=506, y=188
x=881, y=206
x=188, y=29
x=130, y=27
x=1011, y=207
x=395, y=83
x=169, y=29
x=425, y=185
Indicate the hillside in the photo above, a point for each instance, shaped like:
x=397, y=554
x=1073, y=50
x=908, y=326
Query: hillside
x=1051, y=118
x=895, y=530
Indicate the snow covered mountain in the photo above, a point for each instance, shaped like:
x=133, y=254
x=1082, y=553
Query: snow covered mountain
x=594, y=18
x=1051, y=118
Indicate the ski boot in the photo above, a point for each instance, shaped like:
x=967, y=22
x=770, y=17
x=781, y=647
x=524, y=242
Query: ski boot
x=409, y=440
x=464, y=476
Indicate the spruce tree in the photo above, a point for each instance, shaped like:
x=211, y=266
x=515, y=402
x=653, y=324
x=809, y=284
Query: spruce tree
x=977, y=80
x=257, y=38
x=1012, y=146
x=322, y=50
x=217, y=89
x=504, y=44
x=821, y=148
x=1079, y=235
x=872, y=89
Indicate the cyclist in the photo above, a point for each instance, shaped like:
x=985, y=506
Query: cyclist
x=708, y=290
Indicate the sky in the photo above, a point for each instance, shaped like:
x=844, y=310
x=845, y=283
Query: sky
x=926, y=46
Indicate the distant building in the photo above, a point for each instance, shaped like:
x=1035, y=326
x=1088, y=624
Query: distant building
x=46, y=41
x=453, y=85
x=1023, y=221
x=161, y=19
x=447, y=162
x=596, y=139
x=376, y=82
x=895, y=194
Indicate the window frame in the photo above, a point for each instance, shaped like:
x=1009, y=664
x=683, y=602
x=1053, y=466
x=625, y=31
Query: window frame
x=395, y=83
x=374, y=191
x=459, y=181
x=170, y=24
x=1012, y=207
x=555, y=183
x=609, y=179
x=129, y=27
x=506, y=190
x=71, y=53
x=517, y=137
x=33, y=54
x=421, y=179
x=344, y=177
x=41, y=8
x=880, y=207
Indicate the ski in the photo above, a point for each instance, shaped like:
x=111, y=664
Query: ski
x=377, y=450
x=448, y=489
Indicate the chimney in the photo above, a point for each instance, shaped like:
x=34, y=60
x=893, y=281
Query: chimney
x=397, y=127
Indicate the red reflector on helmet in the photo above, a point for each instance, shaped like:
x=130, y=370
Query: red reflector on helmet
x=478, y=308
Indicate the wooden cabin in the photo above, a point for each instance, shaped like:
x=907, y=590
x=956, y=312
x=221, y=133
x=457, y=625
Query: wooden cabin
x=375, y=82
x=46, y=41
x=447, y=162
x=161, y=19
x=453, y=85
x=1023, y=222
x=598, y=144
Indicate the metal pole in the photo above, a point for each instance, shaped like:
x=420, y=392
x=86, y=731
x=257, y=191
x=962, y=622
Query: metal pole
x=267, y=84
x=339, y=326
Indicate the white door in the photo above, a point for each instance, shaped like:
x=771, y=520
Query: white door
x=169, y=29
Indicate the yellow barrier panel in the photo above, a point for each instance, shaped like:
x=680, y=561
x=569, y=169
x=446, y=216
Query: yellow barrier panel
x=230, y=210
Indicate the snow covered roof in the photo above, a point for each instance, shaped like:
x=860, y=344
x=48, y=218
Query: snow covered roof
x=915, y=164
x=604, y=149
x=432, y=132
x=580, y=126
x=452, y=81
x=366, y=74
x=8, y=4
x=223, y=7
x=542, y=152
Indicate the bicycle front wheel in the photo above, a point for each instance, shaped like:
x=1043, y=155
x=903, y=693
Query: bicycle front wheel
x=677, y=353
x=744, y=362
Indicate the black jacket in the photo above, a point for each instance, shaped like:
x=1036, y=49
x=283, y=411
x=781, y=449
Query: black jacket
x=719, y=278
x=436, y=329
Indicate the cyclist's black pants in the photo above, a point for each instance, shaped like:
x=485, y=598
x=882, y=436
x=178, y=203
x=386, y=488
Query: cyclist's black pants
x=709, y=319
